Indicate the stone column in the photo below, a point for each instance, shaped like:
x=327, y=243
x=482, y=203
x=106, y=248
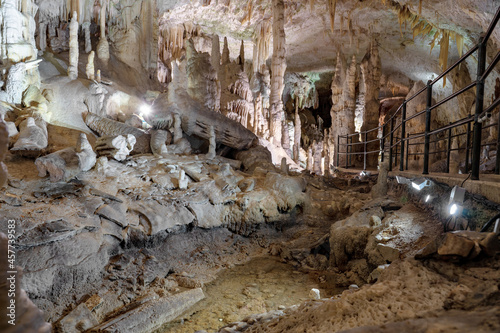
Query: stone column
x=73, y=47
x=337, y=102
x=278, y=70
x=297, y=133
x=212, y=144
x=371, y=69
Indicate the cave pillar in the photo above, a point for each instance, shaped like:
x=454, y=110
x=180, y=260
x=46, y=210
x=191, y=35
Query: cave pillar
x=337, y=101
x=297, y=133
x=278, y=68
x=73, y=47
x=371, y=69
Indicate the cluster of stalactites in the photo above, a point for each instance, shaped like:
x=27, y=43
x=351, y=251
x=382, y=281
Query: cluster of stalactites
x=171, y=45
x=261, y=40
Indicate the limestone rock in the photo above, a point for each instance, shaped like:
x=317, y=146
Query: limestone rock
x=389, y=253
x=77, y=320
x=455, y=245
x=32, y=137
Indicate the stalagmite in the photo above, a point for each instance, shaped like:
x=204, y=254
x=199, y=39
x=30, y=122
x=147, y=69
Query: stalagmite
x=278, y=70
x=212, y=143
x=42, y=30
x=89, y=70
x=309, y=161
x=159, y=141
x=297, y=133
x=285, y=137
x=284, y=166
x=177, y=128
x=317, y=152
x=215, y=57
x=183, y=180
x=103, y=45
x=326, y=153
x=242, y=55
x=98, y=76
x=86, y=30
x=225, y=53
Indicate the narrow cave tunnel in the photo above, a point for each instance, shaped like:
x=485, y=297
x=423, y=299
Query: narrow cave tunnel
x=249, y=166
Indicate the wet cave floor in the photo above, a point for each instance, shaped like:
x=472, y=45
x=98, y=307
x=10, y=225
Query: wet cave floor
x=260, y=285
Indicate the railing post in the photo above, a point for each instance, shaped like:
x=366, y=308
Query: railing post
x=448, y=151
x=347, y=151
x=350, y=152
x=427, y=128
x=497, y=162
x=337, y=151
x=403, y=133
x=407, y=149
x=467, y=148
x=391, y=138
x=382, y=144
x=476, y=141
x=364, y=152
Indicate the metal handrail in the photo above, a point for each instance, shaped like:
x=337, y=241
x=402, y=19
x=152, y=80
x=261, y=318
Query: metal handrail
x=400, y=126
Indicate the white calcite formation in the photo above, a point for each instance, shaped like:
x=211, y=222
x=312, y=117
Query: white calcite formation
x=278, y=68
x=33, y=136
x=67, y=163
x=89, y=69
x=73, y=48
x=17, y=21
x=103, y=45
x=86, y=32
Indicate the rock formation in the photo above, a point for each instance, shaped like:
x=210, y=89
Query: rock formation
x=89, y=70
x=73, y=47
x=278, y=71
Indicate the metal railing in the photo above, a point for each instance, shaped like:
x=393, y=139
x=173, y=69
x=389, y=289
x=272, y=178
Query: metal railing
x=399, y=142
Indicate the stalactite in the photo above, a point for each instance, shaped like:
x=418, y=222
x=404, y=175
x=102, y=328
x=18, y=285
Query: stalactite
x=103, y=46
x=278, y=70
x=332, y=5
x=443, y=52
x=86, y=31
x=261, y=40
x=249, y=11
